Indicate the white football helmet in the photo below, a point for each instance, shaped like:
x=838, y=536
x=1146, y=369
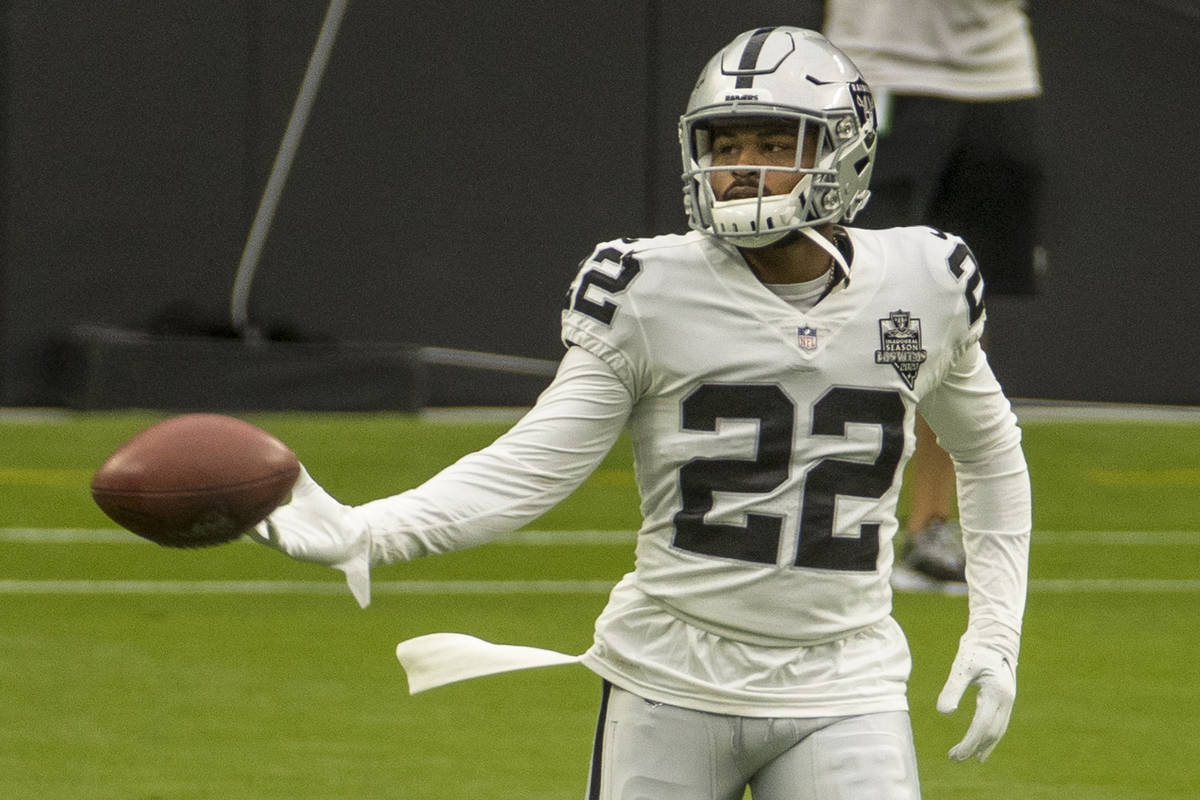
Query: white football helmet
x=790, y=74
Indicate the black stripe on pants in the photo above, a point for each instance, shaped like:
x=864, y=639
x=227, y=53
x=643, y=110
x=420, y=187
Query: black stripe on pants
x=598, y=747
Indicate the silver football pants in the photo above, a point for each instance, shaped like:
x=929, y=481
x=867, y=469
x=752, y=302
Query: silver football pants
x=653, y=751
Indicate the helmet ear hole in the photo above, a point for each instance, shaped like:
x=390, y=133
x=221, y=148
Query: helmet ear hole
x=844, y=129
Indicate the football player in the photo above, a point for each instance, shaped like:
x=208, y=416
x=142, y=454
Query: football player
x=769, y=364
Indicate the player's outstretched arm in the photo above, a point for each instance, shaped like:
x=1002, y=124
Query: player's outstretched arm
x=515, y=479
x=528, y=470
x=315, y=527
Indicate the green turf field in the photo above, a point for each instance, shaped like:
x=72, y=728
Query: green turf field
x=130, y=672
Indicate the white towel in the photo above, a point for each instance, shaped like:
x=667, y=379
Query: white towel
x=437, y=659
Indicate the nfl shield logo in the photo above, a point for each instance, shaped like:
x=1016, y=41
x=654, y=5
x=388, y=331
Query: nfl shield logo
x=807, y=338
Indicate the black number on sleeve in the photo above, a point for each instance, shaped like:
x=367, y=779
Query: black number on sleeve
x=758, y=541
x=831, y=477
x=963, y=255
x=629, y=267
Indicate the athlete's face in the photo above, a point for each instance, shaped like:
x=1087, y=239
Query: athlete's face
x=745, y=143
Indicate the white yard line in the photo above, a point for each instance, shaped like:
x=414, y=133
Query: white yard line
x=1130, y=538
x=68, y=536
x=457, y=587
x=300, y=587
x=596, y=537
x=118, y=536
x=1052, y=411
x=535, y=539
x=1114, y=585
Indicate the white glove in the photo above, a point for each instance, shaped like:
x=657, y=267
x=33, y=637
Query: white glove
x=315, y=527
x=987, y=658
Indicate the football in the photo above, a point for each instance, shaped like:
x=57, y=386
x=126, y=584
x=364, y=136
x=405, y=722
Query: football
x=195, y=480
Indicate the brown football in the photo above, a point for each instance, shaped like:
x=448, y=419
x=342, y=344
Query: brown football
x=195, y=480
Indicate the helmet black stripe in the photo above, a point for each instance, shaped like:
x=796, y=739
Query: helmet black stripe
x=750, y=57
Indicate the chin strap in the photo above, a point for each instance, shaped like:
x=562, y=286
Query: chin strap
x=829, y=247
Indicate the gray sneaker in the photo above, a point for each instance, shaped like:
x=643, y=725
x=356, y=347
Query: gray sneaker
x=936, y=553
x=909, y=581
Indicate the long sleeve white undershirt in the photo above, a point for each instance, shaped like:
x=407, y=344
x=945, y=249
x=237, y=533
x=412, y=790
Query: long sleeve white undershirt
x=517, y=478
x=975, y=425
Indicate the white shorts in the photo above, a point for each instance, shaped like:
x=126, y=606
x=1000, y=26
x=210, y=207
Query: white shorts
x=655, y=751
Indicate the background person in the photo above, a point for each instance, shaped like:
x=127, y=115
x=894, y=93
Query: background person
x=955, y=85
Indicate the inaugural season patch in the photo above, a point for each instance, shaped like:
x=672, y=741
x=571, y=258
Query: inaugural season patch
x=900, y=345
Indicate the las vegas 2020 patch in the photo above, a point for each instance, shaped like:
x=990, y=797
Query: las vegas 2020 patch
x=900, y=345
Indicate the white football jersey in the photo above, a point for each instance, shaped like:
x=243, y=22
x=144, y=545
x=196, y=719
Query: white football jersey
x=769, y=447
x=770, y=443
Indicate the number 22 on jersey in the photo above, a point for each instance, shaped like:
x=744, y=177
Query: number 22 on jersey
x=758, y=540
x=769, y=405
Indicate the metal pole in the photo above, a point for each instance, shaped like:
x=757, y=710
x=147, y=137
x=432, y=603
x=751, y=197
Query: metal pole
x=239, y=303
